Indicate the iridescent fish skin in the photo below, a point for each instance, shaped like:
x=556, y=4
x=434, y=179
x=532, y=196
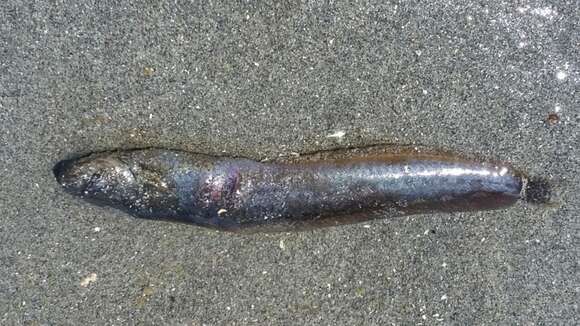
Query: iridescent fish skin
x=241, y=194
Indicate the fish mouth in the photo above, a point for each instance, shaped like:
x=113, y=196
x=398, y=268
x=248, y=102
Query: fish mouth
x=61, y=171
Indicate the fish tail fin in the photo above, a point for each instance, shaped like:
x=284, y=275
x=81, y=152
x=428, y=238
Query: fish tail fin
x=537, y=191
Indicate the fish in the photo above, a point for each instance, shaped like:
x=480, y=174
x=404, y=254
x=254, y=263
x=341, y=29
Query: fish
x=329, y=188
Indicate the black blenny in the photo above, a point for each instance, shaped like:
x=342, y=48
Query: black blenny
x=331, y=189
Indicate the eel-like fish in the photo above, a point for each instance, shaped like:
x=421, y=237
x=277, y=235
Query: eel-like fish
x=237, y=194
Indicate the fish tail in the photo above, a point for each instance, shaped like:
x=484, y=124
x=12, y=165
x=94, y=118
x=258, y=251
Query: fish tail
x=537, y=191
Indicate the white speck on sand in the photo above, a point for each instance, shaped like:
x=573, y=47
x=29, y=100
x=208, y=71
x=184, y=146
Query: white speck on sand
x=544, y=12
x=521, y=10
x=338, y=134
x=91, y=278
x=561, y=75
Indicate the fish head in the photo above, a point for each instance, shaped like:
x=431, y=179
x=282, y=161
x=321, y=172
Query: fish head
x=100, y=178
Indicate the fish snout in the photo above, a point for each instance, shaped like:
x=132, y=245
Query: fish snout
x=69, y=177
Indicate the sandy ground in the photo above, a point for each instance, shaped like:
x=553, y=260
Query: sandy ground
x=497, y=80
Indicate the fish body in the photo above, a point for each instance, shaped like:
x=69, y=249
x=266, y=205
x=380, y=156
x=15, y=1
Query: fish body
x=241, y=194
